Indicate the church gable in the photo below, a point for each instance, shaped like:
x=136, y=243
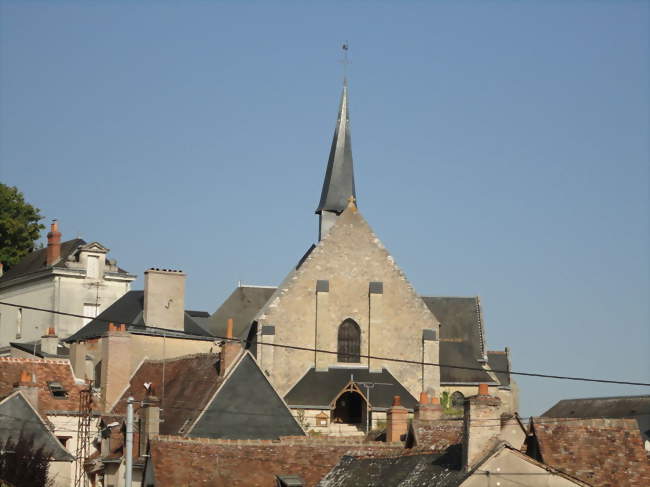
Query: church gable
x=348, y=277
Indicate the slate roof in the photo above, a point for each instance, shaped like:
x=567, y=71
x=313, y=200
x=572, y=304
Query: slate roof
x=34, y=348
x=419, y=470
x=637, y=407
x=43, y=371
x=338, y=185
x=36, y=261
x=242, y=306
x=243, y=405
x=319, y=388
x=500, y=360
x=19, y=419
x=601, y=452
x=129, y=309
x=248, y=463
x=461, y=338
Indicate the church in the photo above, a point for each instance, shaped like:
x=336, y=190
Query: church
x=345, y=331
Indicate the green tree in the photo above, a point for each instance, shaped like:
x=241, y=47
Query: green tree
x=19, y=225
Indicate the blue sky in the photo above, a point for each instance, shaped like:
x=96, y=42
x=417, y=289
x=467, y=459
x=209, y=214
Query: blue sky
x=501, y=150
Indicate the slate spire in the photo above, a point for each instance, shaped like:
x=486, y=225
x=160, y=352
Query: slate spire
x=339, y=177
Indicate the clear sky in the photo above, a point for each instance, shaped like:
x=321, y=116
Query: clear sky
x=501, y=149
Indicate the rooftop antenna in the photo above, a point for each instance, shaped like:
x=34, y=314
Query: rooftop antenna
x=345, y=48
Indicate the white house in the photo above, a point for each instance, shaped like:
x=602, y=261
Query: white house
x=72, y=277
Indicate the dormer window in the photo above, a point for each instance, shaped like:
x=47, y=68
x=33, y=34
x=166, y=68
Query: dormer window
x=57, y=390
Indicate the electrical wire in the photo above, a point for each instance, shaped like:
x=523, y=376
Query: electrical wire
x=374, y=357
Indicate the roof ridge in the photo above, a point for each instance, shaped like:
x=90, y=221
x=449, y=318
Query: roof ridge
x=60, y=361
x=181, y=357
x=605, y=397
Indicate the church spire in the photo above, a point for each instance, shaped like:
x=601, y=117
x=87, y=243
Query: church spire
x=339, y=177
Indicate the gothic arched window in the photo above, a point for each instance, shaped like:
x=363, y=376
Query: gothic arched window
x=349, y=342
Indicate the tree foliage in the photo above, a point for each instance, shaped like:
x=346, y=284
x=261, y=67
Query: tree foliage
x=19, y=225
x=23, y=465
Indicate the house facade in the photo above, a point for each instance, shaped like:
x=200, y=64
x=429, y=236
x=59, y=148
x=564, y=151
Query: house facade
x=72, y=277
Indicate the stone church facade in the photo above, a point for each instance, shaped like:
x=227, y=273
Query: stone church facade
x=351, y=331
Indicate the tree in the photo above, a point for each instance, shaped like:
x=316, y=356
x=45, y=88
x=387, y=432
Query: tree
x=22, y=464
x=19, y=225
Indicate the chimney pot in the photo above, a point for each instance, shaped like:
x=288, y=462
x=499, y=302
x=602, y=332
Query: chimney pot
x=397, y=401
x=25, y=378
x=424, y=398
x=483, y=389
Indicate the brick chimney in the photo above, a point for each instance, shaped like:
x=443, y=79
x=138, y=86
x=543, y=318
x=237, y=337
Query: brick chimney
x=396, y=421
x=428, y=408
x=149, y=418
x=482, y=425
x=50, y=342
x=53, y=244
x=28, y=387
x=164, y=299
x=116, y=364
x=230, y=350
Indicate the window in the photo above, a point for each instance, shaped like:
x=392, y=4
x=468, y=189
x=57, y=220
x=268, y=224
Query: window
x=93, y=267
x=57, y=390
x=349, y=342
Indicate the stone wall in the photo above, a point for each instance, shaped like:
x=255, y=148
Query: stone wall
x=391, y=315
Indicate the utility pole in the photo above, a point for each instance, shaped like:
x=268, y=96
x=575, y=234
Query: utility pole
x=129, y=442
x=369, y=386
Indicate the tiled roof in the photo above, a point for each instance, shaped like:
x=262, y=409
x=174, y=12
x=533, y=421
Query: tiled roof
x=601, y=452
x=252, y=463
x=43, y=372
x=435, y=435
x=499, y=360
x=190, y=381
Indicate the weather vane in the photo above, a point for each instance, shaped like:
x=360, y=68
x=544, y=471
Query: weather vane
x=345, y=47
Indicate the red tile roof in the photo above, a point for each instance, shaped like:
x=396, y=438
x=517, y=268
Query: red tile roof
x=601, y=452
x=252, y=463
x=190, y=381
x=43, y=371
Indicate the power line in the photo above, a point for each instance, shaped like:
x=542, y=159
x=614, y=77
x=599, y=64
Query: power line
x=375, y=357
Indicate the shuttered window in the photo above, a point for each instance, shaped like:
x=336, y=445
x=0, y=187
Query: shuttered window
x=349, y=342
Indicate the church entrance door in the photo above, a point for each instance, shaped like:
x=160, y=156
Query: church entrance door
x=350, y=408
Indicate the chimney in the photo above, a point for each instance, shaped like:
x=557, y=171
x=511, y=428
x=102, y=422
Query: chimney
x=53, y=244
x=428, y=409
x=78, y=359
x=396, y=421
x=116, y=364
x=50, y=342
x=28, y=387
x=230, y=350
x=482, y=425
x=149, y=419
x=164, y=299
